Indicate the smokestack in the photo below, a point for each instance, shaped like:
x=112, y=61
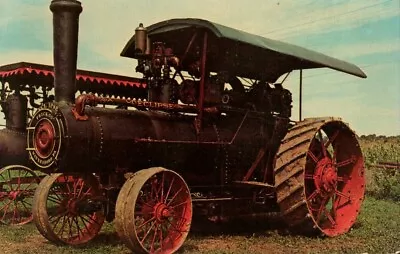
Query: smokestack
x=65, y=43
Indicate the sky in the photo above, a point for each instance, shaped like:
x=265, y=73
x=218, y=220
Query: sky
x=363, y=32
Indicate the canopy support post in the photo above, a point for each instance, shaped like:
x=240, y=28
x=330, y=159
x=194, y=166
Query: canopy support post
x=199, y=118
x=300, y=93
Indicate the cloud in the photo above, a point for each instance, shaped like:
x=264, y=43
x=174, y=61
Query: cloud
x=325, y=19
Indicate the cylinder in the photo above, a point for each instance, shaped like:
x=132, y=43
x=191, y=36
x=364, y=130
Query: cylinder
x=140, y=39
x=65, y=44
x=17, y=107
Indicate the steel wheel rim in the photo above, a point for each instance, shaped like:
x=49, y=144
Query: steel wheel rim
x=334, y=179
x=163, y=208
x=17, y=187
x=66, y=220
x=154, y=211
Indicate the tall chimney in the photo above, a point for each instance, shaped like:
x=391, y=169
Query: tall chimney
x=65, y=40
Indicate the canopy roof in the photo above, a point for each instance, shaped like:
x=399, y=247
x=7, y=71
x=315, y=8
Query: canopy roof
x=242, y=53
x=26, y=74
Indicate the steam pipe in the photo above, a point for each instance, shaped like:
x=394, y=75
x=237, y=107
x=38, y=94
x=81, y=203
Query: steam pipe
x=84, y=100
x=65, y=40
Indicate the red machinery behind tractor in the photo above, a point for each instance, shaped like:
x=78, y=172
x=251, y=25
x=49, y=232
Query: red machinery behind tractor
x=24, y=86
x=213, y=139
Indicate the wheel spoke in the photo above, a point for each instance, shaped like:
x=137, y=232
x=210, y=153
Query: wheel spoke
x=9, y=180
x=169, y=189
x=26, y=208
x=83, y=222
x=174, y=228
x=6, y=205
x=161, y=237
x=4, y=180
x=342, y=179
x=148, y=231
x=57, y=219
x=153, y=192
x=312, y=156
x=173, y=198
x=61, y=229
x=70, y=227
x=19, y=180
x=145, y=203
x=75, y=188
x=16, y=213
x=80, y=190
x=182, y=203
x=308, y=177
x=77, y=227
x=162, y=186
x=345, y=162
x=313, y=195
x=87, y=191
x=52, y=199
x=29, y=185
x=340, y=194
x=154, y=238
x=332, y=139
x=321, y=209
x=54, y=192
x=329, y=216
x=90, y=220
x=26, y=174
x=5, y=210
x=146, y=222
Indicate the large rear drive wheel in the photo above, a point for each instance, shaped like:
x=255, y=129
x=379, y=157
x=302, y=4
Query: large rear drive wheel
x=154, y=211
x=67, y=209
x=319, y=176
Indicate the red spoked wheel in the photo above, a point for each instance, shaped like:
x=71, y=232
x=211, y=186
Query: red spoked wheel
x=68, y=209
x=320, y=179
x=17, y=187
x=154, y=211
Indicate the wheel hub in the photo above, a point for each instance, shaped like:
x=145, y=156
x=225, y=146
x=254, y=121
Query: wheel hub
x=162, y=212
x=13, y=195
x=325, y=177
x=72, y=207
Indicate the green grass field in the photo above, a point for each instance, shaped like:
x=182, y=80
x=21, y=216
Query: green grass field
x=377, y=229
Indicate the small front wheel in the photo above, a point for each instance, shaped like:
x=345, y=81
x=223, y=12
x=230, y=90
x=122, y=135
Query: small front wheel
x=154, y=211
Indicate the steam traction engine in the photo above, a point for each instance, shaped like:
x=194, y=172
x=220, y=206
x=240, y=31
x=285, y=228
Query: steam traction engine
x=213, y=139
x=24, y=86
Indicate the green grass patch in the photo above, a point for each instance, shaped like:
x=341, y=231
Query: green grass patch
x=382, y=183
x=376, y=231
